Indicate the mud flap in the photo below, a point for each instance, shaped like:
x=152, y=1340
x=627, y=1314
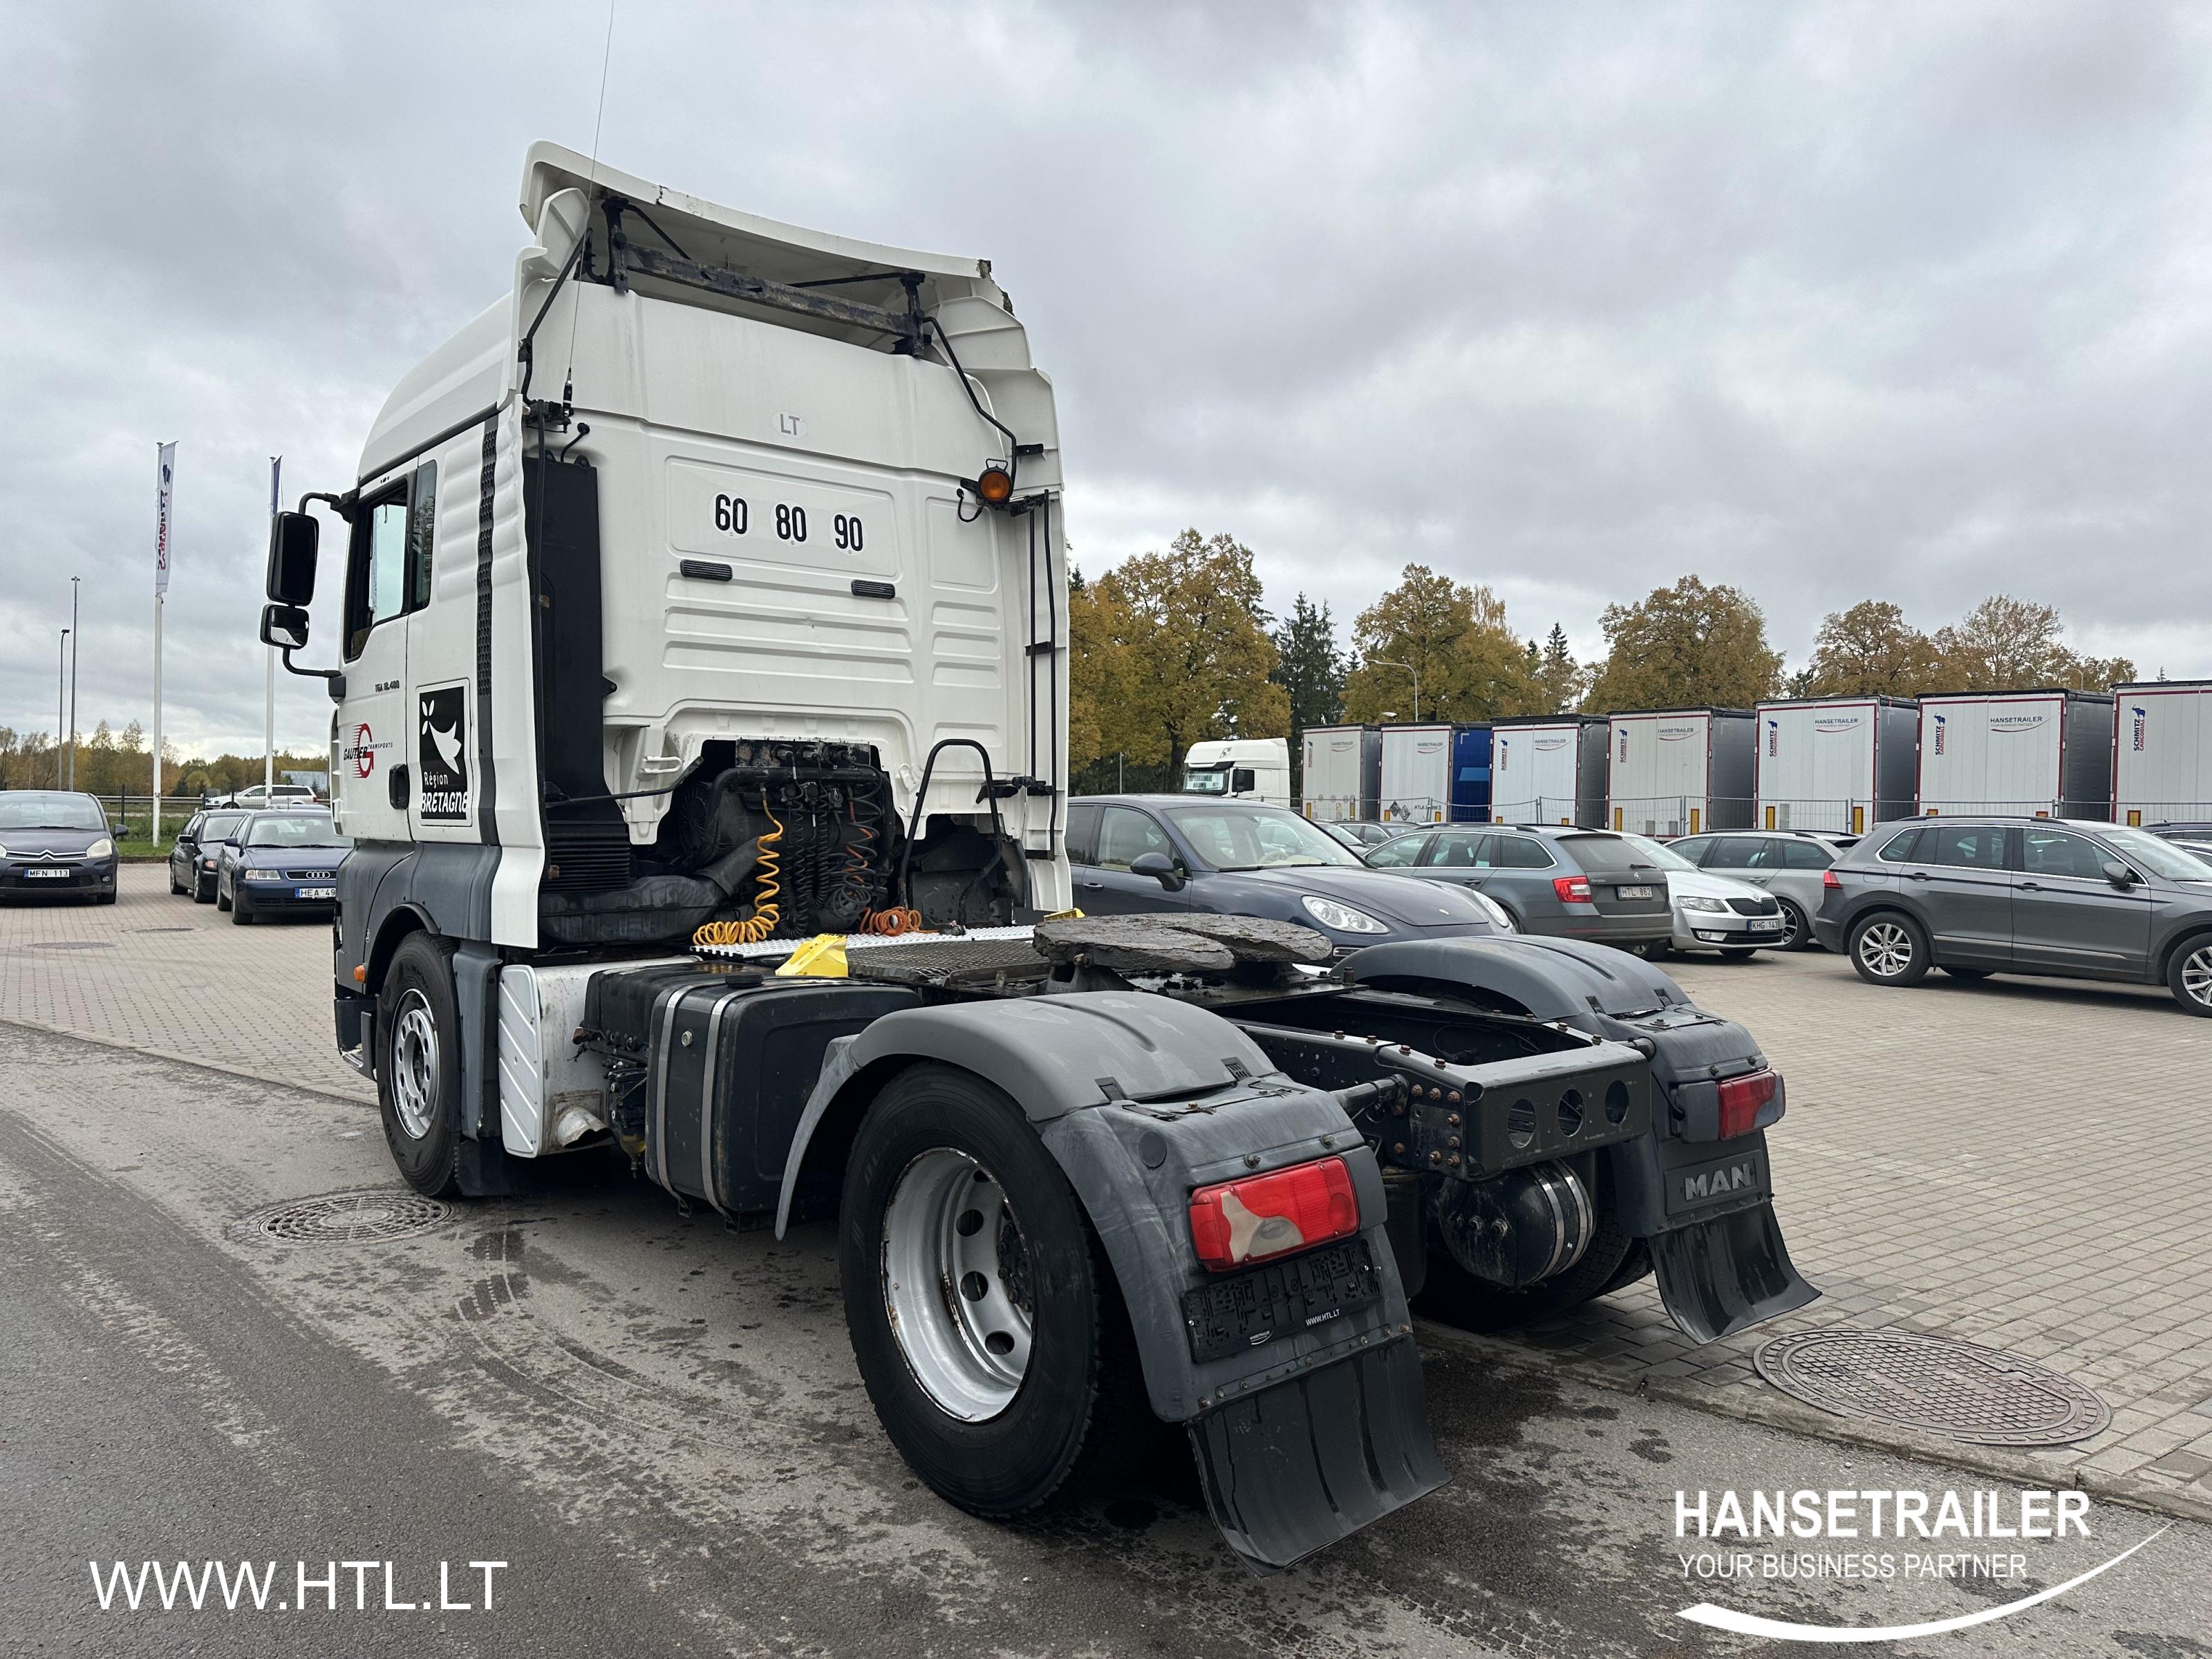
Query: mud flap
x=1725, y=1274
x=1293, y=1469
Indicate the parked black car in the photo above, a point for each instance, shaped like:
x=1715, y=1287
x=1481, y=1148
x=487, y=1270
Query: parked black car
x=56, y=841
x=1135, y=853
x=281, y=864
x=196, y=852
x=1982, y=896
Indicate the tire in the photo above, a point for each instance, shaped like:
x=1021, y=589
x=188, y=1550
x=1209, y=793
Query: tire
x=1965, y=975
x=220, y=902
x=176, y=887
x=1889, y=948
x=104, y=898
x=1455, y=1297
x=203, y=891
x=1739, y=953
x=2188, y=976
x=1651, y=950
x=1797, y=928
x=418, y=1064
x=239, y=915
x=996, y=1434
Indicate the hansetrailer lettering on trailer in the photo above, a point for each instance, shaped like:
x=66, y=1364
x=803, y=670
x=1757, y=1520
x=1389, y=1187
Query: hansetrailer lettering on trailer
x=718, y=571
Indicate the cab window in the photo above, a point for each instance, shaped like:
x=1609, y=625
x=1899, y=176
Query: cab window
x=388, y=573
x=1904, y=848
x=1082, y=835
x=1459, y=852
x=1518, y=853
x=1806, y=855
x=1976, y=847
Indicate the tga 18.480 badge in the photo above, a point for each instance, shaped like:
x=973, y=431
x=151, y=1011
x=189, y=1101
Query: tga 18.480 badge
x=442, y=746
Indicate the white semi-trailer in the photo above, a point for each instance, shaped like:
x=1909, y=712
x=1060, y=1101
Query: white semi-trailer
x=1416, y=774
x=2162, y=752
x=1680, y=771
x=1340, y=773
x=2043, y=753
x=1549, y=768
x=700, y=727
x=1837, y=764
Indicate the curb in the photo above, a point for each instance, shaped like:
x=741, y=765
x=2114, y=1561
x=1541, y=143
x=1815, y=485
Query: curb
x=193, y=1061
x=1769, y=1408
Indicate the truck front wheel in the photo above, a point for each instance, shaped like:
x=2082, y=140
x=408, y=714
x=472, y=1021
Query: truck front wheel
x=418, y=1064
x=984, y=1315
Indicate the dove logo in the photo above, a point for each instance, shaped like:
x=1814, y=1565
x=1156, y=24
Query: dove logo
x=441, y=753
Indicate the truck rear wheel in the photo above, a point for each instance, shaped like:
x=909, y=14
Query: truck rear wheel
x=418, y=1064
x=984, y=1315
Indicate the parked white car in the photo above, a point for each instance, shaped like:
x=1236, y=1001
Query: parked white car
x=1714, y=913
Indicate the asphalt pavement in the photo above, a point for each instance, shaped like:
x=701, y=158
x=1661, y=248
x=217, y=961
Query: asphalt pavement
x=655, y=1423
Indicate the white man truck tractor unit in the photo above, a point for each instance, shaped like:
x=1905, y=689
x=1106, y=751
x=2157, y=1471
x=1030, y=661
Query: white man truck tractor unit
x=705, y=596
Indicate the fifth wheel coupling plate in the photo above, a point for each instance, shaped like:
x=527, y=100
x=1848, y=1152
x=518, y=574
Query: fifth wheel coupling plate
x=1933, y=1384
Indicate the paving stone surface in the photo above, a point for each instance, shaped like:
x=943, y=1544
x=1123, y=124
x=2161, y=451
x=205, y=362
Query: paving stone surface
x=2022, y=1164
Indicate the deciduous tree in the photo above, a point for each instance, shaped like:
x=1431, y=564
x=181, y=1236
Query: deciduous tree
x=1688, y=646
x=2005, y=644
x=1870, y=650
x=1453, y=636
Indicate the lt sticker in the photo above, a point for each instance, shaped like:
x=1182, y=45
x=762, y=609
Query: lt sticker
x=443, y=746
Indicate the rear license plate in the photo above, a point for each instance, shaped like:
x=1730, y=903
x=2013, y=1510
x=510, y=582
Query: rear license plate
x=330, y=893
x=1633, y=892
x=1260, y=1304
x=1767, y=925
x=45, y=875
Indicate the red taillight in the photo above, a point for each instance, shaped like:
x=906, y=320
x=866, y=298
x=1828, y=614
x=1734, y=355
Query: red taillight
x=1248, y=1220
x=1571, y=889
x=1750, y=1103
x=1830, y=878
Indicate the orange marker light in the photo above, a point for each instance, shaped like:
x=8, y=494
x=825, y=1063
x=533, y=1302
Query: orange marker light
x=995, y=486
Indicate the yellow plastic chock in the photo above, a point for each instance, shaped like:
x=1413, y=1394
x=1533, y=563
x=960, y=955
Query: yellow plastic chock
x=821, y=957
x=1065, y=915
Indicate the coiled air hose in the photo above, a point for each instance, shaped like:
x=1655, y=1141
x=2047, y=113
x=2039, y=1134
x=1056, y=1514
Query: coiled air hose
x=762, y=922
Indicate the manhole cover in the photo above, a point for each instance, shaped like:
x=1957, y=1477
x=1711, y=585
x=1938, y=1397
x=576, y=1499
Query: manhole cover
x=1936, y=1385
x=346, y=1219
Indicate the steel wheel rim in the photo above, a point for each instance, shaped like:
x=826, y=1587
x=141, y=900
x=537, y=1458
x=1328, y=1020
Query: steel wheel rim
x=414, y=1066
x=2197, y=977
x=1885, y=949
x=956, y=1284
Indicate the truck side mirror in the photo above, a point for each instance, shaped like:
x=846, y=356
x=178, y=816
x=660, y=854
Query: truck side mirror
x=1159, y=866
x=292, y=538
x=2118, y=874
x=285, y=626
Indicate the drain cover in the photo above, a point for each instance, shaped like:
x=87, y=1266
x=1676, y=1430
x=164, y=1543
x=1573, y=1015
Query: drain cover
x=72, y=944
x=346, y=1219
x=1934, y=1384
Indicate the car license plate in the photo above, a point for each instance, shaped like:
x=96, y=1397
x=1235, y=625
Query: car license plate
x=1767, y=925
x=314, y=892
x=1633, y=892
x=45, y=875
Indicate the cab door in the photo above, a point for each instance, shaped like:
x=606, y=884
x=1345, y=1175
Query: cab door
x=2067, y=915
x=370, y=795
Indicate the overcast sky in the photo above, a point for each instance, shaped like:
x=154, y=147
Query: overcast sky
x=1829, y=301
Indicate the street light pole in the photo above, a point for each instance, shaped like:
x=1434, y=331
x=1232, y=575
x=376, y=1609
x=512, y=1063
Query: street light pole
x=1384, y=662
x=61, y=703
x=76, y=640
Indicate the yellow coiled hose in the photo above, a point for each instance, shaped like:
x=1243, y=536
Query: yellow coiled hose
x=762, y=922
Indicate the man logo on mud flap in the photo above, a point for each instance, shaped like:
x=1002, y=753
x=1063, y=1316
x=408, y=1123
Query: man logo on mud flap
x=442, y=745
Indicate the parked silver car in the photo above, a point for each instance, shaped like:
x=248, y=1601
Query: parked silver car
x=1712, y=912
x=1787, y=863
x=1976, y=896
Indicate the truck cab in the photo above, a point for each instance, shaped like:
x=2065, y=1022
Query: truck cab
x=699, y=729
x=1240, y=769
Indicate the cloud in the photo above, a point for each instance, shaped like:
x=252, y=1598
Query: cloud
x=1830, y=302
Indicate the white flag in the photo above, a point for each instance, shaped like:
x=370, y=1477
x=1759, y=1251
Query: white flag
x=168, y=455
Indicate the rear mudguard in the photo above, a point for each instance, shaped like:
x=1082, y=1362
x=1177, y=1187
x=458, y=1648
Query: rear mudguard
x=1703, y=1207
x=1298, y=1382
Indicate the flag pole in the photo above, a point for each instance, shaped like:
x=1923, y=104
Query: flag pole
x=165, y=465
x=269, y=709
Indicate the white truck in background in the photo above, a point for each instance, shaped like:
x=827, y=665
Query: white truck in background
x=700, y=731
x=1240, y=769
